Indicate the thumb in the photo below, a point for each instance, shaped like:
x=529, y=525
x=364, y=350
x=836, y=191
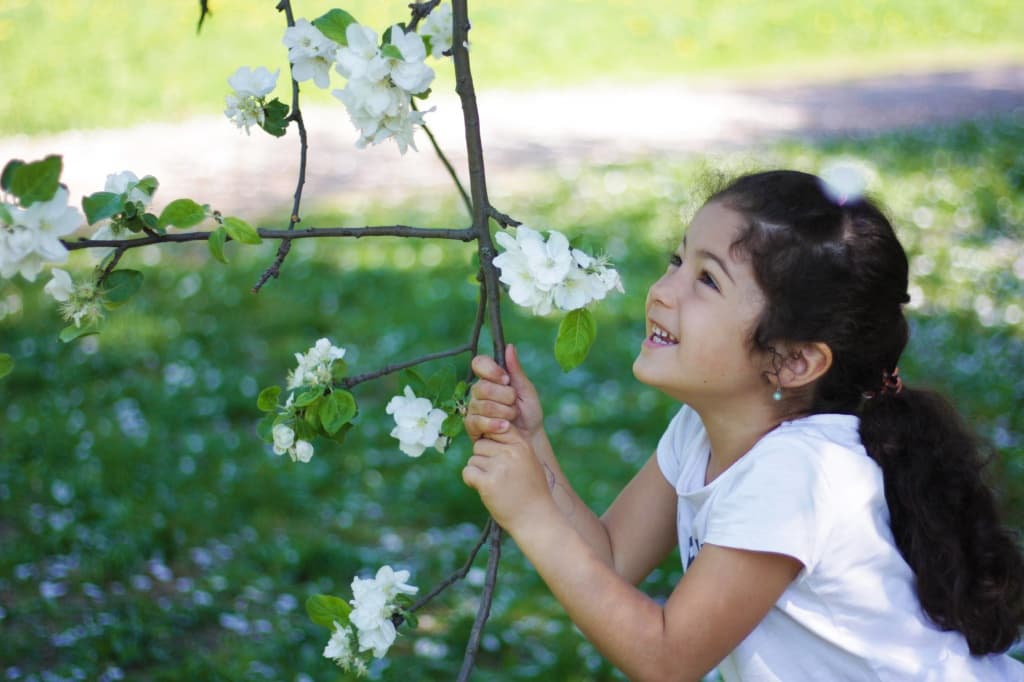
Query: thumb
x=517, y=376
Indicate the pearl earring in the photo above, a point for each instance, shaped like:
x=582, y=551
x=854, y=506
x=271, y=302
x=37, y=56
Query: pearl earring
x=777, y=396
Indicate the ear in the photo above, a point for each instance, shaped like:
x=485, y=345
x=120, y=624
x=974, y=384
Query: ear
x=804, y=363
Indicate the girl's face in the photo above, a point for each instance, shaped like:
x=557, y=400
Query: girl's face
x=700, y=315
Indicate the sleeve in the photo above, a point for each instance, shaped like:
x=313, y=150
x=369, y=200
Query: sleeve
x=777, y=503
x=673, y=446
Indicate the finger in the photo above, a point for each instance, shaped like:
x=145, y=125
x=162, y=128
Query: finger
x=517, y=377
x=473, y=472
x=495, y=441
x=485, y=367
x=488, y=390
x=489, y=408
x=478, y=426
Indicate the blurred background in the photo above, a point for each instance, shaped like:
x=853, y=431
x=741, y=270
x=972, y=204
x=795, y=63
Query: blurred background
x=148, y=534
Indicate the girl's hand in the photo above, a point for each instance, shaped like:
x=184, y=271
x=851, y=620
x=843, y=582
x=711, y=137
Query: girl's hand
x=502, y=396
x=510, y=479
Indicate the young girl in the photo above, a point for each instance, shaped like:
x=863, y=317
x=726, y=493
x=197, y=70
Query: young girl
x=832, y=522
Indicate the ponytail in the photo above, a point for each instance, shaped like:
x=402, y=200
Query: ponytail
x=945, y=520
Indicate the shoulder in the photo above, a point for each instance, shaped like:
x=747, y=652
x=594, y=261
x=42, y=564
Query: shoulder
x=794, y=487
x=681, y=438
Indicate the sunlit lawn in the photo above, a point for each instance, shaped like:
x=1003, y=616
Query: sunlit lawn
x=74, y=64
x=148, y=534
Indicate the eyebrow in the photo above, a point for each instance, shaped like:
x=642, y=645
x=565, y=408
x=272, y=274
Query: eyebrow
x=704, y=253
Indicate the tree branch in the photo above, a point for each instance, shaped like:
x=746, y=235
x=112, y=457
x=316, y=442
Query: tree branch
x=494, y=537
x=296, y=115
x=464, y=234
x=399, y=366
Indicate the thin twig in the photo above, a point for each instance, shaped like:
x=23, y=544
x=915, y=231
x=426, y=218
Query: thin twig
x=478, y=323
x=486, y=599
x=296, y=115
x=420, y=10
x=455, y=577
x=110, y=266
x=447, y=164
x=465, y=235
x=399, y=366
x=502, y=219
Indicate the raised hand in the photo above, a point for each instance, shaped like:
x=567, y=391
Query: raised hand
x=501, y=397
x=509, y=478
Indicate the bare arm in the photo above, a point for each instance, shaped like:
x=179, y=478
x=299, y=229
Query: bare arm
x=636, y=532
x=722, y=597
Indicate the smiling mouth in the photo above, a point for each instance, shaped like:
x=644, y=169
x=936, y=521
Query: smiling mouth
x=661, y=337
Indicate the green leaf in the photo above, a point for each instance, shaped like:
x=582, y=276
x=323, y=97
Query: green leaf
x=5, y=215
x=148, y=184
x=576, y=335
x=309, y=396
x=100, y=205
x=391, y=51
x=152, y=222
x=8, y=173
x=266, y=401
x=441, y=383
x=36, y=181
x=339, y=437
x=461, y=389
x=333, y=25
x=323, y=609
x=338, y=369
x=241, y=231
x=216, y=244
x=452, y=425
x=6, y=364
x=121, y=285
x=275, y=117
x=71, y=332
x=182, y=213
x=411, y=619
x=413, y=379
x=337, y=410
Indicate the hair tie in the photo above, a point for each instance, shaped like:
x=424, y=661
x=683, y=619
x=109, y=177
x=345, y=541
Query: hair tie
x=892, y=384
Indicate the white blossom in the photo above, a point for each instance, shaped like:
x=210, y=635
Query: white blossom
x=361, y=57
x=438, y=27
x=302, y=452
x=316, y=365
x=257, y=82
x=32, y=237
x=417, y=423
x=60, y=286
x=245, y=104
x=127, y=182
x=310, y=52
x=410, y=73
x=339, y=650
x=373, y=604
x=543, y=274
x=284, y=438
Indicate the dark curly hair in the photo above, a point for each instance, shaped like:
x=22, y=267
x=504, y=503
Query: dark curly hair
x=836, y=273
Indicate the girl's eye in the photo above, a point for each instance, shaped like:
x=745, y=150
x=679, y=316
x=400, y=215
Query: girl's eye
x=708, y=280
x=674, y=260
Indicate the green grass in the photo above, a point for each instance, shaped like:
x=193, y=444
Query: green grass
x=147, y=530
x=75, y=64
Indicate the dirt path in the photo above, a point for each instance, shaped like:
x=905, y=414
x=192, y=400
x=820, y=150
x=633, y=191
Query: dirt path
x=524, y=132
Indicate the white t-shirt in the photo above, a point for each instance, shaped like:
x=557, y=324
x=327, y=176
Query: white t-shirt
x=809, y=490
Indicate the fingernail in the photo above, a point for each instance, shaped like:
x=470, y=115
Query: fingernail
x=505, y=379
x=502, y=425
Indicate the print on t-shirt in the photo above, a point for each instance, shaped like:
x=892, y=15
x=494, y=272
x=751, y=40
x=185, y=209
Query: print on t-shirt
x=692, y=548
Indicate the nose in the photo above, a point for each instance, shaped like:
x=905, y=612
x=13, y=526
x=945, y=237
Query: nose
x=663, y=290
